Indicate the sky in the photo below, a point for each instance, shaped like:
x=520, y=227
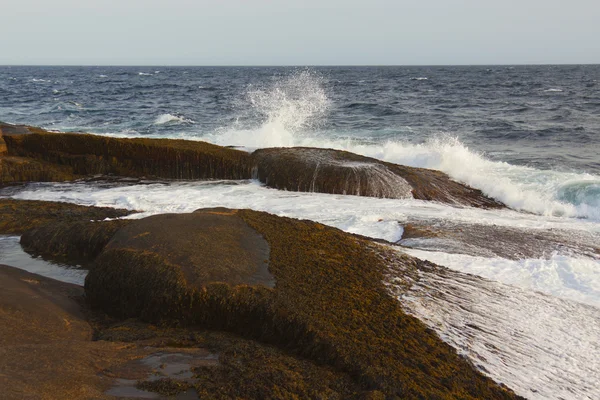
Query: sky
x=299, y=32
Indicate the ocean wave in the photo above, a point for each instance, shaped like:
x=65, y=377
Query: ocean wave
x=553, y=90
x=420, y=78
x=543, y=192
x=292, y=108
x=172, y=119
x=144, y=74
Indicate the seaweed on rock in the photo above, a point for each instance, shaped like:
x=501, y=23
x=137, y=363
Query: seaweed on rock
x=329, y=305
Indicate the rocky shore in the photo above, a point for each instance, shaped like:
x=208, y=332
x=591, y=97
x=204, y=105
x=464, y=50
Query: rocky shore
x=34, y=155
x=219, y=303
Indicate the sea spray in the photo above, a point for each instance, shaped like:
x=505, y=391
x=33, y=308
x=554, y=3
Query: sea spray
x=278, y=114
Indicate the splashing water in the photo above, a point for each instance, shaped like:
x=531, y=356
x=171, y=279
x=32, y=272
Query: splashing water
x=286, y=110
x=291, y=108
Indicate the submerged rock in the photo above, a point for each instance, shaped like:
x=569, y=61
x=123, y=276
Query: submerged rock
x=340, y=172
x=328, y=304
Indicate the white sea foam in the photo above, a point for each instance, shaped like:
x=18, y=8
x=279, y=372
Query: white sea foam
x=421, y=78
x=40, y=80
x=540, y=346
x=173, y=119
x=575, y=278
x=553, y=90
x=103, y=76
x=544, y=192
x=144, y=74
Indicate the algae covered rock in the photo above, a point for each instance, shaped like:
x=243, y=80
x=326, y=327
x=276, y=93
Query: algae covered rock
x=85, y=154
x=18, y=216
x=155, y=267
x=71, y=242
x=328, y=303
x=340, y=172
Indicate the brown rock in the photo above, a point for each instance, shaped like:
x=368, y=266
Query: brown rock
x=18, y=216
x=85, y=155
x=339, y=172
x=46, y=350
x=329, y=304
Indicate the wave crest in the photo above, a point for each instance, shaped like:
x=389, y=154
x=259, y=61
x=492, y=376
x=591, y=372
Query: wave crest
x=170, y=118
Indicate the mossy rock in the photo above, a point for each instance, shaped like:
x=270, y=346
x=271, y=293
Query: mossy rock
x=306, y=169
x=71, y=242
x=25, y=169
x=161, y=262
x=85, y=155
x=19, y=216
x=328, y=305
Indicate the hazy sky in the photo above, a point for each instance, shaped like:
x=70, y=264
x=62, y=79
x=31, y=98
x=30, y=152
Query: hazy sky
x=294, y=32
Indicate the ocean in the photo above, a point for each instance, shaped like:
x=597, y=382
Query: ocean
x=528, y=136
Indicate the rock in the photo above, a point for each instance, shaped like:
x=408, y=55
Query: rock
x=71, y=242
x=498, y=241
x=52, y=347
x=24, y=169
x=45, y=341
x=328, y=305
x=18, y=216
x=172, y=256
x=339, y=172
x=85, y=155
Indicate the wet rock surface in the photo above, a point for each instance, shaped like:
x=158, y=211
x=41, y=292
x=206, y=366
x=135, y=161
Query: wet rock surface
x=328, y=304
x=71, y=242
x=340, y=172
x=78, y=155
x=18, y=216
x=498, y=241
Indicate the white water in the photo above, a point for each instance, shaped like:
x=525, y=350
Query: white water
x=170, y=118
x=540, y=346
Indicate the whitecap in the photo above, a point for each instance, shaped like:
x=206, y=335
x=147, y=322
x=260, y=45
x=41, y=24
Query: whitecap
x=553, y=90
x=170, y=118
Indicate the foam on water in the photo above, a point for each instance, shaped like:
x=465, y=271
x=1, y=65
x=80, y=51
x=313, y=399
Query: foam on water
x=170, y=118
x=576, y=278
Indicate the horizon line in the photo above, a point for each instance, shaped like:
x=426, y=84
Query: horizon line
x=294, y=65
